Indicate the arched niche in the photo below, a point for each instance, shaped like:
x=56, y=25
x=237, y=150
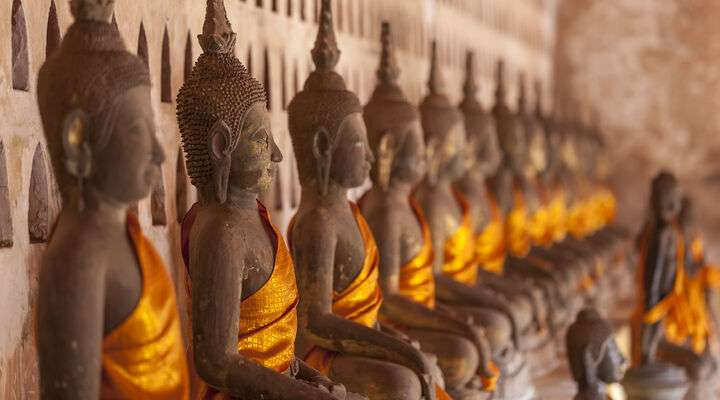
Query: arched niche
x=278, y=192
x=6, y=229
x=142, y=49
x=289, y=8
x=302, y=10
x=283, y=84
x=249, y=61
x=181, y=187
x=267, y=82
x=157, y=202
x=52, y=40
x=19, y=44
x=188, y=64
x=38, y=212
x=166, y=70
x=294, y=184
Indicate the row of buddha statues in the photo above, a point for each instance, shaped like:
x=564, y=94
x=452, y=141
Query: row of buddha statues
x=454, y=277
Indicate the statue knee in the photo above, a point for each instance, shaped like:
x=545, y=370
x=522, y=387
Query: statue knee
x=378, y=380
x=457, y=357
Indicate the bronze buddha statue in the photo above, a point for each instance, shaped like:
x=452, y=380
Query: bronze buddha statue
x=594, y=357
x=108, y=325
x=335, y=254
x=404, y=239
x=241, y=276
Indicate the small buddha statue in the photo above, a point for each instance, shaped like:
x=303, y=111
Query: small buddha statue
x=241, y=275
x=594, y=357
x=403, y=235
x=452, y=230
x=107, y=324
x=335, y=253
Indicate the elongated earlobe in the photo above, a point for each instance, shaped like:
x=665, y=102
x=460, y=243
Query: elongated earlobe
x=385, y=158
x=221, y=147
x=322, y=151
x=77, y=150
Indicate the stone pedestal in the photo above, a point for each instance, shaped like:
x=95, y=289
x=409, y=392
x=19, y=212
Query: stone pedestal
x=657, y=381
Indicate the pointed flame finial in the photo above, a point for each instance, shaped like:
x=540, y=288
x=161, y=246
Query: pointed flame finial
x=500, y=91
x=470, y=86
x=325, y=54
x=92, y=10
x=217, y=35
x=388, y=71
x=435, y=83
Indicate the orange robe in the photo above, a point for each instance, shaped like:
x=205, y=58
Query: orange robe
x=417, y=278
x=268, y=318
x=557, y=216
x=490, y=243
x=360, y=302
x=459, y=261
x=144, y=357
x=517, y=234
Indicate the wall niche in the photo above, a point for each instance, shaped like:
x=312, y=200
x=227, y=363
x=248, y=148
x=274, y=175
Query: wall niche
x=38, y=213
x=6, y=229
x=19, y=44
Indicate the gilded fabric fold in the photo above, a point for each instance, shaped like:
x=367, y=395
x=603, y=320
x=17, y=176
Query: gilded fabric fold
x=144, y=357
x=268, y=317
x=517, y=234
x=417, y=278
x=459, y=260
x=490, y=243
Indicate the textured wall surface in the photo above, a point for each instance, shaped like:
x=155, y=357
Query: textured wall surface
x=277, y=36
x=651, y=70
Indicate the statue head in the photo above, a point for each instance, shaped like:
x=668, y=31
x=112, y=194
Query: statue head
x=665, y=198
x=511, y=137
x=483, y=150
x=325, y=120
x=393, y=125
x=443, y=129
x=223, y=117
x=94, y=101
x=593, y=354
x=537, y=158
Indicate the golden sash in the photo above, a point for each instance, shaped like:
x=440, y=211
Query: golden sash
x=517, y=235
x=459, y=259
x=144, y=357
x=490, y=243
x=557, y=216
x=268, y=318
x=577, y=223
x=360, y=301
x=417, y=279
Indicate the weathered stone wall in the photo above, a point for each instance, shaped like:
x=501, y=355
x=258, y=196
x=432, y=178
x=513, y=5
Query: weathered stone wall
x=277, y=39
x=650, y=69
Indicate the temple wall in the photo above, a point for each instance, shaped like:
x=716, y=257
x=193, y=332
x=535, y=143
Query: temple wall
x=650, y=71
x=278, y=41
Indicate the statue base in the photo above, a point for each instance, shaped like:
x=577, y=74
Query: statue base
x=655, y=381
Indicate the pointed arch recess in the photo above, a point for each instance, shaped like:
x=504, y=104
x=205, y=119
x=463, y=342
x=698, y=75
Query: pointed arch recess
x=166, y=70
x=188, y=64
x=157, y=202
x=52, y=39
x=6, y=229
x=38, y=212
x=267, y=82
x=181, y=187
x=142, y=50
x=19, y=44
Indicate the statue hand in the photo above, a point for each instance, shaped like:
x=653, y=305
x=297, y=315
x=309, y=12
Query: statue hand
x=428, y=386
x=323, y=383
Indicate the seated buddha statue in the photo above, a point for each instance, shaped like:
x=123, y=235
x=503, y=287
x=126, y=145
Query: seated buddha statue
x=487, y=219
x=403, y=235
x=241, y=276
x=594, y=356
x=107, y=324
x=335, y=253
x=448, y=216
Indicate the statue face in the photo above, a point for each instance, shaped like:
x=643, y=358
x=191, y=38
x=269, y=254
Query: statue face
x=409, y=160
x=612, y=366
x=128, y=166
x=256, y=155
x=352, y=156
x=452, y=154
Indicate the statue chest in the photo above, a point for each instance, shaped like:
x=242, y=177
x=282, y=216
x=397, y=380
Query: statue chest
x=411, y=236
x=259, y=260
x=349, y=253
x=123, y=282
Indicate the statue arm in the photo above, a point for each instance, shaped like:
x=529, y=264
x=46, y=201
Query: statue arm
x=70, y=326
x=314, y=255
x=217, y=286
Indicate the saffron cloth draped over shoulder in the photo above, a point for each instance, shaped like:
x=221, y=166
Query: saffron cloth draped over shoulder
x=490, y=243
x=459, y=262
x=144, y=357
x=360, y=301
x=417, y=278
x=517, y=235
x=268, y=317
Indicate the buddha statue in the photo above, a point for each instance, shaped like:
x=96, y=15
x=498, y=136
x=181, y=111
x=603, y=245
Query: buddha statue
x=404, y=240
x=452, y=230
x=487, y=219
x=241, y=275
x=594, y=357
x=107, y=324
x=335, y=253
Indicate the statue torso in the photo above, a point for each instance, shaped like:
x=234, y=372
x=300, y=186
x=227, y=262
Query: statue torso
x=379, y=213
x=440, y=203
